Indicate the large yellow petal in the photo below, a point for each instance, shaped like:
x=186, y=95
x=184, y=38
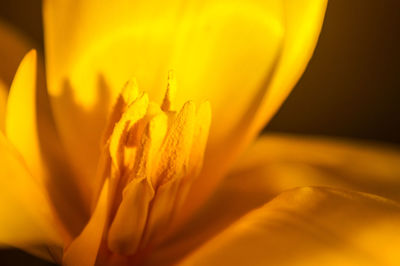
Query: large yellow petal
x=309, y=226
x=13, y=47
x=26, y=220
x=275, y=163
x=302, y=23
x=221, y=50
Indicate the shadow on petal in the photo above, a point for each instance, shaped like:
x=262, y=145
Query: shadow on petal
x=72, y=162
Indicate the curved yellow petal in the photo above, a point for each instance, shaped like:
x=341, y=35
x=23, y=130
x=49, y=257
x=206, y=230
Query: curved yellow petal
x=26, y=220
x=13, y=47
x=275, y=163
x=221, y=51
x=3, y=102
x=302, y=23
x=309, y=226
x=21, y=114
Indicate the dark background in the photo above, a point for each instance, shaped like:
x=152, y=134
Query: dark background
x=350, y=89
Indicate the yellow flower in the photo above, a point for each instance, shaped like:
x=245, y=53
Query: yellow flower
x=128, y=168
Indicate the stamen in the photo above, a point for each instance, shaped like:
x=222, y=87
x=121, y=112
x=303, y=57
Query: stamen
x=119, y=137
x=155, y=155
x=129, y=93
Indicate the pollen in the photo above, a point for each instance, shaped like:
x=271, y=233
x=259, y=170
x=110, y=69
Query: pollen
x=153, y=153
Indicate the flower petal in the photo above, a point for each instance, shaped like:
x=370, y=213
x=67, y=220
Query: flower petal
x=309, y=226
x=277, y=162
x=84, y=249
x=302, y=23
x=221, y=51
x=26, y=220
x=13, y=47
x=21, y=122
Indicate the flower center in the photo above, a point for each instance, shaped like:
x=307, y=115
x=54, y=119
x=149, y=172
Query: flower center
x=152, y=156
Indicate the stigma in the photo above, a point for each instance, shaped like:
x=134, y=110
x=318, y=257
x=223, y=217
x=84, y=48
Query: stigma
x=152, y=154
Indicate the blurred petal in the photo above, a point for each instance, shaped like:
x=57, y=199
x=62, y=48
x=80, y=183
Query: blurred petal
x=26, y=220
x=84, y=249
x=275, y=163
x=302, y=23
x=3, y=102
x=13, y=47
x=309, y=226
x=222, y=51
